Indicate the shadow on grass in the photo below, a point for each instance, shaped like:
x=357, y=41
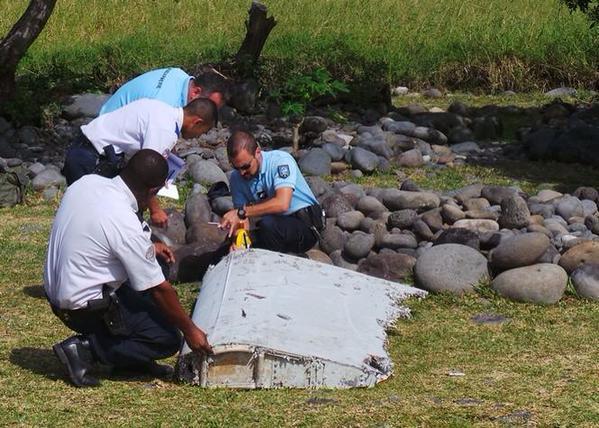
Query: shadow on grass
x=35, y=291
x=39, y=361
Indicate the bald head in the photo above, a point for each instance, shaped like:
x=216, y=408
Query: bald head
x=241, y=140
x=147, y=169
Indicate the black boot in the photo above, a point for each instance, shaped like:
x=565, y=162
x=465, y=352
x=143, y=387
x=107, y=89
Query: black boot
x=75, y=354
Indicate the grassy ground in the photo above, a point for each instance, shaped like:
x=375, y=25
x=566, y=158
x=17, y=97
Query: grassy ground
x=538, y=367
x=498, y=45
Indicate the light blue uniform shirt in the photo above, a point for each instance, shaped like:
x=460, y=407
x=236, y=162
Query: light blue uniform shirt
x=278, y=169
x=169, y=85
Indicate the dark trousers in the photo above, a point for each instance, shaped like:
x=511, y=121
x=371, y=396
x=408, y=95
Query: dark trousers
x=283, y=233
x=149, y=335
x=81, y=159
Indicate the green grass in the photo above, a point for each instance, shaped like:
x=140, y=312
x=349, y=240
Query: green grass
x=538, y=368
x=498, y=45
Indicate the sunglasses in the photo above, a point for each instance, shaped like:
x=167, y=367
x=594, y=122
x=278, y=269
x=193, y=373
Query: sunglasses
x=245, y=167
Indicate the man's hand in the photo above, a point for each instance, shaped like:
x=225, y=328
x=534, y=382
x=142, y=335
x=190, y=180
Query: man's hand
x=196, y=339
x=230, y=221
x=158, y=217
x=164, y=252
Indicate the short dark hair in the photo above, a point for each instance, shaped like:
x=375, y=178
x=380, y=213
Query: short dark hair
x=147, y=169
x=211, y=81
x=241, y=140
x=204, y=108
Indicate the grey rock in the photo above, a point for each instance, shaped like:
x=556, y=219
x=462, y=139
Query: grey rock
x=589, y=207
x=319, y=256
x=244, y=95
x=569, y=206
x=377, y=146
x=422, y=230
x=589, y=193
x=358, y=245
x=548, y=195
x=220, y=153
x=403, y=219
x=545, y=210
x=432, y=93
x=84, y=105
x=370, y=205
x=592, y=223
x=561, y=92
x=409, y=186
x=429, y=135
x=541, y=283
x=486, y=128
x=458, y=235
x=450, y=268
x=468, y=192
x=397, y=240
x=28, y=135
x=460, y=134
x=520, y=250
x=550, y=256
x=335, y=204
x=318, y=186
x=331, y=239
x=399, y=127
x=350, y=220
x=197, y=209
x=313, y=124
x=173, y=234
x=363, y=160
x=586, y=281
x=49, y=177
x=514, y=213
x=476, y=204
x=222, y=204
x=388, y=265
x=411, y=158
x=433, y=219
x=340, y=261
x=451, y=213
x=496, y=194
x=465, y=148
x=206, y=172
x=477, y=225
x=334, y=151
x=315, y=162
x=36, y=168
x=482, y=214
x=398, y=200
x=585, y=252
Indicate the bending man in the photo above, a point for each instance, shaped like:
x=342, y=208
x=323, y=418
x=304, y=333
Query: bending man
x=103, y=281
x=105, y=142
x=169, y=85
x=269, y=185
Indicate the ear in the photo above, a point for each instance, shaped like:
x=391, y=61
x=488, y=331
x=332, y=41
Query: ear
x=194, y=92
x=197, y=120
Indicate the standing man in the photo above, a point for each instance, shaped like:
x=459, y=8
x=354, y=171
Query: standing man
x=170, y=85
x=269, y=185
x=102, y=279
x=105, y=142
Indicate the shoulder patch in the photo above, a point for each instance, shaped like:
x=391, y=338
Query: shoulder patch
x=283, y=171
x=151, y=253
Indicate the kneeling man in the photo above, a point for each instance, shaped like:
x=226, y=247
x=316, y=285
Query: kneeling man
x=103, y=281
x=269, y=185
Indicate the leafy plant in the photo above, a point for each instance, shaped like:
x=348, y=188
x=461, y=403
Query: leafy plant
x=588, y=7
x=300, y=90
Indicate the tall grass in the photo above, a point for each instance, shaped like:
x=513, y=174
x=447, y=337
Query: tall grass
x=490, y=44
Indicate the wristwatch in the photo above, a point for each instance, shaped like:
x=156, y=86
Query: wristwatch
x=241, y=213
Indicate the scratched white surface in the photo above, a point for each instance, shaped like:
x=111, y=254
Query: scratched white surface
x=298, y=306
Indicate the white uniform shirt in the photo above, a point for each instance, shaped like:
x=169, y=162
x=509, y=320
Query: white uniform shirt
x=98, y=239
x=142, y=124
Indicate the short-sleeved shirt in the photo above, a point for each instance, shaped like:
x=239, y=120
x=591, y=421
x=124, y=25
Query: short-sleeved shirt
x=142, y=124
x=169, y=85
x=278, y=169
x=96, y=239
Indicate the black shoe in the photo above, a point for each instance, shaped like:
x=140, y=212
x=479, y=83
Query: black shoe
x=75, y=354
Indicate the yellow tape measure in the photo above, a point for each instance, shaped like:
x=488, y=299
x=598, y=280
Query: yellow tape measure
x=242, y=239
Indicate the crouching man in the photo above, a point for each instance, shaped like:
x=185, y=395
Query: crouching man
x=270, y=186
x=103, y=281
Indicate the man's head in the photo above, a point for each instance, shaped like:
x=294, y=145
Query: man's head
x=244, y=154
x=209, y=84
x=198, y=117
x=145, y=174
